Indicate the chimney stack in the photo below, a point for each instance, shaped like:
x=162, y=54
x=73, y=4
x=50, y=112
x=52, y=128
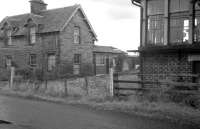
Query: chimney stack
x=37, y=6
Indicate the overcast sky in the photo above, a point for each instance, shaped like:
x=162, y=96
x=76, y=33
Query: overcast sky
x=116, y=22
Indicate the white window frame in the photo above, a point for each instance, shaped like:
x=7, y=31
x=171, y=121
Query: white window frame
x=31, y=59
x=77, y=35
x=8, y=61
x=100, y=60
x=51, y=62
x=32, y=35
x=9, y=35
x=156, y=30
x=179, y=27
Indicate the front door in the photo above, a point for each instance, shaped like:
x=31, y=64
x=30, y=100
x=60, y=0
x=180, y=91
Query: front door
x=107, y=65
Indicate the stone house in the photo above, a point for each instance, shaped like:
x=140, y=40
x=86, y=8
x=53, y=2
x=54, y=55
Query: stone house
x=170, y=38
x=58, y=42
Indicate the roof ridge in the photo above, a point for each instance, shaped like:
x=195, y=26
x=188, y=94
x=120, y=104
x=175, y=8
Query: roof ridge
x=58, y=8
x=42, y=11
x=17, y=15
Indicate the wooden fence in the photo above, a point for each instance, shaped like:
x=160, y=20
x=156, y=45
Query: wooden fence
x=146, y=86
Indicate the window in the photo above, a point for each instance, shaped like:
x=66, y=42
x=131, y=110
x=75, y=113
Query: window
x=8, y=61
x=100, y=60
x=179, y=30
x=155, y=7
x=32, y=35
x=77, y=35
x=77, y=58
x=179, y=5
x=9, y=37
x=155, y=30
x=197, y=30
x=51, y=62
x=197, y=23
x=33, y=59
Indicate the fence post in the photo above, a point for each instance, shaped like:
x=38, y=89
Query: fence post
x=46, y=84
x=86, y=85
x=12, y=74
x=111, y=82
x=66, y=89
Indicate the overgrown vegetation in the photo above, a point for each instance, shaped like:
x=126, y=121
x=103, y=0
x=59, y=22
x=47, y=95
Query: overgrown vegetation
x=30, y=74
x=190, y=100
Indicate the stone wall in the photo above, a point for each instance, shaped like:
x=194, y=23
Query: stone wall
x=94, y=86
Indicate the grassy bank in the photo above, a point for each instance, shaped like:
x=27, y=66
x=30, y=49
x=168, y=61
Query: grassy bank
x=132, y=105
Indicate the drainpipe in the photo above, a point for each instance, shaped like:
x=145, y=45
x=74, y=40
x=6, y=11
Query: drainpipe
x=136, y=3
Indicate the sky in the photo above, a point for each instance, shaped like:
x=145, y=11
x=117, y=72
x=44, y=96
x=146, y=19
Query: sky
x=116, y=22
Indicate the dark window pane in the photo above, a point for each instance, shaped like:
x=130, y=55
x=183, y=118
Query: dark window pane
x=179, y=30
x=51, y=62
x=33, y=59
x=77, y=58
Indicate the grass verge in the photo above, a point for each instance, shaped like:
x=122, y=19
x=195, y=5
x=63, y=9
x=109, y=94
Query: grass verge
x=158, y=110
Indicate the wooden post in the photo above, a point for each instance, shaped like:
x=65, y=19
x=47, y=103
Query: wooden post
x=111, y=83
x=116, y=85
x=144, y=24
x=166, y=23
x=86, y=85
x=12, y=74
x=66, y=90
x=191, y=21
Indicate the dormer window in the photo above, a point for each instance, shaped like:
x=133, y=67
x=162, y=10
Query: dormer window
x=8, y=61
x=77, y=35
x=9, y=37
x=32, y=35
x=7, y=30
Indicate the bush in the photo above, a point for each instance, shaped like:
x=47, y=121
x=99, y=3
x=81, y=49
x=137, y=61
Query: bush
x=193, y=101
x=25, y=73
x=30, y=74
x=39, y=74
x=5, y=76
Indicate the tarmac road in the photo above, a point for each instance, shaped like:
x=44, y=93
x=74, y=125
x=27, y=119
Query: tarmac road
x=30, y=114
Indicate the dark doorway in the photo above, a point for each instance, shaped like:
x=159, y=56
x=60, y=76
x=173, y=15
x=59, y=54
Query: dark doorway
x=107, y=65
x=196, y=70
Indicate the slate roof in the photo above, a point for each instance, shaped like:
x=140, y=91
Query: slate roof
x=50, y=20
x=107, y=49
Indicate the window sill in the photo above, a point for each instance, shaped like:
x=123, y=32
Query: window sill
x=77, y=63
x=30, y=45
x=77, y=43
x=100, y=64
x=33, y=65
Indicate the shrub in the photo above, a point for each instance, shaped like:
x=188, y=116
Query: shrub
x=39, y=74
x=193, y=101
x=5, y=76
x=25, y=73
x=30, y=74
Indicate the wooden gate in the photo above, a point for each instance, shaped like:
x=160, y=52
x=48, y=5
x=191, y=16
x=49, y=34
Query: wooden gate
x=132, y=86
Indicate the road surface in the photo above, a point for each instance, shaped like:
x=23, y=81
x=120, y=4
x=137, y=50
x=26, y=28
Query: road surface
x=44, y=115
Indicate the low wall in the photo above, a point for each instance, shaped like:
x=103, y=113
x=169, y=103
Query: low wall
x=94, y=86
